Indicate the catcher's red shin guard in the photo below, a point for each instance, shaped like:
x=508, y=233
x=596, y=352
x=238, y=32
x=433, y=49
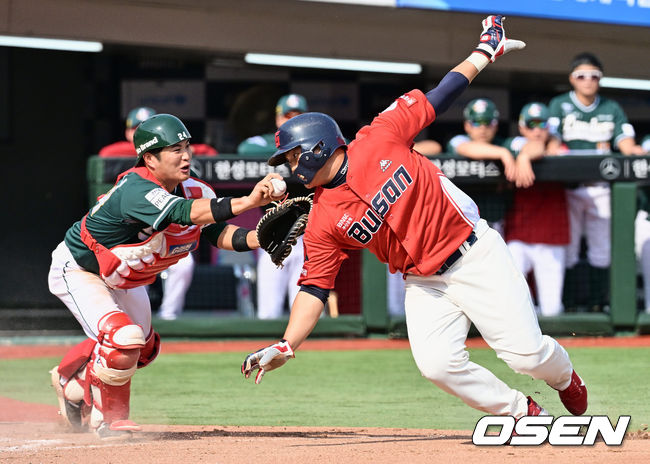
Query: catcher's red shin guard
x=121, y=342
x=574, y=397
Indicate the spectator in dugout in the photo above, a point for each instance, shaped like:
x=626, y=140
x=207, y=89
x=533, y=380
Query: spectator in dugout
x=586, y=123
x=481, y=142
x=125, y=147
x=276, y=287
x=537, y=223
x=642, y=232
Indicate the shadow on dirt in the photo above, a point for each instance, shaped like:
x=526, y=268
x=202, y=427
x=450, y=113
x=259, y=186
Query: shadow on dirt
x=358, y=437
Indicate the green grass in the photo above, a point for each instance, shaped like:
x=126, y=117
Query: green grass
x=348, y=388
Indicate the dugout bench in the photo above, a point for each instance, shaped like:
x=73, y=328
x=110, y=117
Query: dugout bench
x=234, y=175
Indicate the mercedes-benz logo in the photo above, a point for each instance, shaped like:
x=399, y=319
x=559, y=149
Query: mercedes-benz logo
x=610, y=168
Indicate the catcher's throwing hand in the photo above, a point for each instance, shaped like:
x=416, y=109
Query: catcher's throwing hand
x=264, y=191
x=267, y=359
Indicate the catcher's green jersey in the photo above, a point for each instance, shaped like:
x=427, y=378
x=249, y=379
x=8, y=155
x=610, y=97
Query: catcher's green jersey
x=129, y=213
x=261, y=146
x=599, y=126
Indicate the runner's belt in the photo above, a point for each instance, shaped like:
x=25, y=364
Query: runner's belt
x=456, y=255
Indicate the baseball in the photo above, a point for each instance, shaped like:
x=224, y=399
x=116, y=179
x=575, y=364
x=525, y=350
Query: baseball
x=279, y=187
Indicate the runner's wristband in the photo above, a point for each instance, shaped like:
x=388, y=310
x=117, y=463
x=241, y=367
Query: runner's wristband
x=239, y=241
x=221, y=209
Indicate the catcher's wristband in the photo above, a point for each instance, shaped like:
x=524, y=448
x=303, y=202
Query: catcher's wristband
x=239, y=240
x=221, y=209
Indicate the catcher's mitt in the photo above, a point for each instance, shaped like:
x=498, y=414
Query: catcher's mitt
x=280, y=227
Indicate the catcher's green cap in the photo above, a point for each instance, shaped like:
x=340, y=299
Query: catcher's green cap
x=138, y=115
x=481, y=110
x=291, y=102
x=159, y=131
x=534, y=111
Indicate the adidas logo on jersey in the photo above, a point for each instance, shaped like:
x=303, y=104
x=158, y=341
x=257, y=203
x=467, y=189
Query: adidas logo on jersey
x=384, y=164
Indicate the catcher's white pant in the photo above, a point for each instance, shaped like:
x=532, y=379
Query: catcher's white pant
x=486, y=288
x=547, y=263
x=175, y=286
x=89, y=298
x=590, y=215
x=642, y=248
x=274, y=285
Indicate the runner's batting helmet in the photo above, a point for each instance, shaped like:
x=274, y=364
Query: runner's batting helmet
x=159, y=131
x=308, y=131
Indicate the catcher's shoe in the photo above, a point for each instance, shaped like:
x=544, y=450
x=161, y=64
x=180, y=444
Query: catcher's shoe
x=574, y=397
x=118, y=430
x=70, y=412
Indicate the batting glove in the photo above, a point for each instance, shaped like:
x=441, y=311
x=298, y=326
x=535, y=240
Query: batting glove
x=267, y=359
x=493, y=41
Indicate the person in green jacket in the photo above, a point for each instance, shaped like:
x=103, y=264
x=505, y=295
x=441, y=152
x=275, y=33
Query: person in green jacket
x=263, y=146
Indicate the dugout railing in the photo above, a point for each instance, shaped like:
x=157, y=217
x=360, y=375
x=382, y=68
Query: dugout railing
x=231, y=174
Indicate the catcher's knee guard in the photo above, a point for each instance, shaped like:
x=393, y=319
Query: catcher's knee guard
x=150, y=351
x=120, y=342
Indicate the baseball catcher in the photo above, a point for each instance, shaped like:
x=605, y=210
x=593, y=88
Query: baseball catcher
x=279, y=229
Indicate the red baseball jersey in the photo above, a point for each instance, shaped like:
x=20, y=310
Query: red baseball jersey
x=395, y=202
x=539, y=215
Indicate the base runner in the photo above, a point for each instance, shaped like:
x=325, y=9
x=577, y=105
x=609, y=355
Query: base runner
x=377, y=193
x=148, y=221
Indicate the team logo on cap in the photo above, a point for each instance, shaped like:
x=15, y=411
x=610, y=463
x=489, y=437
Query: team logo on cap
x=535, y=110
x=143, y=146
x=293, y=101
x=480, y=106
x=277, y=139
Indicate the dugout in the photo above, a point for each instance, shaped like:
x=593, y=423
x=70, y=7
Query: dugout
x=362, y=288
x=57, y=108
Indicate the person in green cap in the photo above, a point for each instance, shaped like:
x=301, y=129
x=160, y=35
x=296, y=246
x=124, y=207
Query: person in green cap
x=276, y=288
x=480, y=141
x=125, y=147
x=262, y=146
x=537, y=223
x=588, y=124
x=152, y=218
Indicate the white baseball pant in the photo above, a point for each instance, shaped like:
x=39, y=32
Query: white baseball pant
x=590, y=215
x=486, y=288
x=89, y=298
x=274, y=285
x=395, y=293
x=547, y=263
x=642, y=248
x=175, y=286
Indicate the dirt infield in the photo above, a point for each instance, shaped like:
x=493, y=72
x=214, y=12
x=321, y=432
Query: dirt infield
x=31, y=433
x=48, y=443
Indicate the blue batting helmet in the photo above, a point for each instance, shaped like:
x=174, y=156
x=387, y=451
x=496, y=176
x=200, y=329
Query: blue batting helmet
x=308, y=131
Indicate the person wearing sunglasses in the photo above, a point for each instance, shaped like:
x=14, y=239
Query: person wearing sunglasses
x=481, y=142
x=587, y=123
x=537, y=223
